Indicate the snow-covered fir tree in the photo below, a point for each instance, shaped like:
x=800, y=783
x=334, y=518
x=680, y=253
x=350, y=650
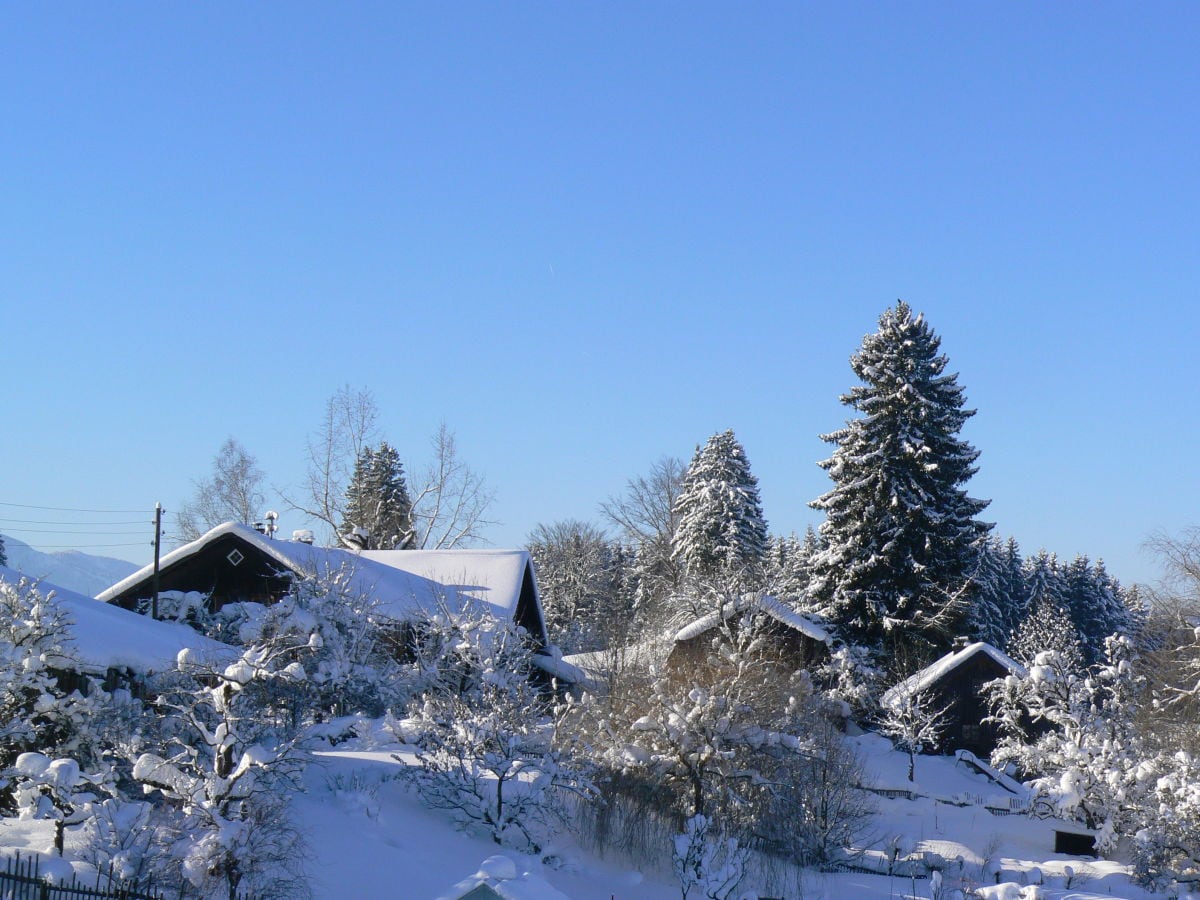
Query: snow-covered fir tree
x=721, y=531
x=901, y=532
x=1013, y=589
x=3, y=553
x=1048, y=627
x=987, y=618
x=1044, y=579
x=1000, y=600
x=378, y=509
x=786, y=567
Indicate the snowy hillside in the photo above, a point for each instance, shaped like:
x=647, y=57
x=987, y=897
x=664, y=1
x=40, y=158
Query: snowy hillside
x=366, y=836
x=81, y=572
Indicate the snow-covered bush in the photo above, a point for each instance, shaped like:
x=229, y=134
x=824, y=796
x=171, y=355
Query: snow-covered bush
x=706, y=864
x=485, y=739
x=55, y=789
x=1167, y=845
x=1087, y=759
x=224, y=774
x=33, y=634
x=912, y=720
x=740, y=740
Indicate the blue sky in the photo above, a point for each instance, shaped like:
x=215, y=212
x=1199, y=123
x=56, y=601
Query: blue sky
x=589, y=235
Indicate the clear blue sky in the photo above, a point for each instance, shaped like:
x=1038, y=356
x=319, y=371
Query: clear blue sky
x=588, y=235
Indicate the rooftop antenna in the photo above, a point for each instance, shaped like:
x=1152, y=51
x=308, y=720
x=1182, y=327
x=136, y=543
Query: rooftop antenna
x=272, y=518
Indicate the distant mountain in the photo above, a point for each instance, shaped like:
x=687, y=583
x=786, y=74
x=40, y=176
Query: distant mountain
x=70, y=569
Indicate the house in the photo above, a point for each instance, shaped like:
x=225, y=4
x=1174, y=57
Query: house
x=956, y=682
x=797, y=641
x=234, y=563
x=112, y=646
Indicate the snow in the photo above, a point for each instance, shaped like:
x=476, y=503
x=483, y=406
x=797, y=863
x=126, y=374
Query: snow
x=105, y=636
x=937, y=670
x=368, y=837
x=772, y=606
x=84, y=573
x=406, y=582
x=557, y=667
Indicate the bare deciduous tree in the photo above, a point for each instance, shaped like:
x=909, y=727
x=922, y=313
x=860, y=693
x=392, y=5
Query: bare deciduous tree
x=449, y=509
x=349, y=425
x=646, y=513
x=232, y=493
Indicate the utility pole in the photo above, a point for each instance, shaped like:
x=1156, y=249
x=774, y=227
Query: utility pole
x=158, y=511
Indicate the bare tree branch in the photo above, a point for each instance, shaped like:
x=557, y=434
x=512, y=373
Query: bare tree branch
x=449, y=509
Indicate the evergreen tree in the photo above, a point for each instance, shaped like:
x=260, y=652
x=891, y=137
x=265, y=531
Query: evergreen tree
x=1092, y=601
x=3, y=554
x=1013, y=588
x=1117, y=616
x=901, y=531
x=1044, y=580
x=1047, y=628
x=787, y=567
x=721, y=530
x=987, y=620
x=377, y=501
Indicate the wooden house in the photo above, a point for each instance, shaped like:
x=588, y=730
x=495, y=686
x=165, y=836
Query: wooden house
x=234, y=563
x=795, y=641
x=957, y=682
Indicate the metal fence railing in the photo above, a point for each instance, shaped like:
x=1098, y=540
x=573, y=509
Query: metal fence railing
x=21, y=879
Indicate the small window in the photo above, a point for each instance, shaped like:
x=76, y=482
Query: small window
x=235, y=557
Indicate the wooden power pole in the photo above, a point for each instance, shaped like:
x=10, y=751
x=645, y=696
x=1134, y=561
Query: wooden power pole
x=158, y=511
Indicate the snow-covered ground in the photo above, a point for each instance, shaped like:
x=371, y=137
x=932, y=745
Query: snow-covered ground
x=369, y=837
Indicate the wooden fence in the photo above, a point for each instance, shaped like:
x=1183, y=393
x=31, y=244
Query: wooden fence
x=21, y=879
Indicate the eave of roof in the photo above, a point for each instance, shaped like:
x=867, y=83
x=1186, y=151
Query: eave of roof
x=936, y=671
x=772, y=606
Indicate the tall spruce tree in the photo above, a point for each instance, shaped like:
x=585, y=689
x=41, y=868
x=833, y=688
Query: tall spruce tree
x=377, y=501
x=902, y=535
x=721, y=531
x=3, y=554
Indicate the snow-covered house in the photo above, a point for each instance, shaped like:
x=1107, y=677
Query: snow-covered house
x=113, y=646
x=796, y=640
x=956, y=682
x=234, y=563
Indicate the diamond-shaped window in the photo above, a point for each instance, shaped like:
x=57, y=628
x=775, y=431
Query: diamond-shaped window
x=235, y=557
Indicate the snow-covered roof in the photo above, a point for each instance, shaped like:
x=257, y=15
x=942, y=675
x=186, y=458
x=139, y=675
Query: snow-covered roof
x=405, y=582
x=105, y=636
x=938, y=670
x=768, y=604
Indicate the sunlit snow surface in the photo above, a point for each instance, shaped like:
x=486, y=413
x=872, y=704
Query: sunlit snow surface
x=368, y=837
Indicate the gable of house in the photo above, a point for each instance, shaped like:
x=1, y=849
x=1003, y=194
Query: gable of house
x=235, y=563
x=796, y=641
x=958, y=682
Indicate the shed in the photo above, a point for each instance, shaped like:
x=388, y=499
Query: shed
x=956, y=681
x=796, y=640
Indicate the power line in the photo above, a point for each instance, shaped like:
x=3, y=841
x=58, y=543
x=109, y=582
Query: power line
x=55, y=531
x=73, y=522
x=73, y=509
x=87, y=546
